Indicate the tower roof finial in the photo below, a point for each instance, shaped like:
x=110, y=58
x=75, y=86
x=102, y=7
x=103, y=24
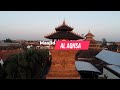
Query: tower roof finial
x=64, y=21
x=89, y=30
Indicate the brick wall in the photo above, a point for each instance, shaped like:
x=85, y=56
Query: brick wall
x=63, y=65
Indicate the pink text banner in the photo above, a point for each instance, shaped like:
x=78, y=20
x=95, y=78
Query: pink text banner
x=72, y=45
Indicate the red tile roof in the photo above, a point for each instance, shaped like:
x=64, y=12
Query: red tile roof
x=5, y=53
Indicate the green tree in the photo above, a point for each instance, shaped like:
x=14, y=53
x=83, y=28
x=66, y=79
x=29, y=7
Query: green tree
x=104, y=42
x=2, y=72
x=8, y=40
x=30, y=64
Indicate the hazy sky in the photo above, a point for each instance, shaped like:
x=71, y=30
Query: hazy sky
x=34, y=25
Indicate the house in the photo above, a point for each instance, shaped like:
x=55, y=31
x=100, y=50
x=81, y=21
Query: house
x=93, y=43
x=29, y=46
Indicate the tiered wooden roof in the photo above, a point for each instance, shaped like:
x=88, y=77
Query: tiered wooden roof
x=64, y=32
x=89, y=34
x=64, y=27
x=64, y=35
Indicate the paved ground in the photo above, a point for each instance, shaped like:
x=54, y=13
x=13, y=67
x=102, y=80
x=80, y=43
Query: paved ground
x=63, y=65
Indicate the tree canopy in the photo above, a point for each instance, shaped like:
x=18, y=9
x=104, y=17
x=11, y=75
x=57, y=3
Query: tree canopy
x=104, y=42
x=30, y=64
x=8, y=40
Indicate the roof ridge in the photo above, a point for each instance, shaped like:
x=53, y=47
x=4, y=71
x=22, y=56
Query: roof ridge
x=77, y=34
x=115, y=65
x=50, y=33
x=64, y=24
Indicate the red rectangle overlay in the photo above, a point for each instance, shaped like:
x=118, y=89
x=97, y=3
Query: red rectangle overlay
x=72, y=45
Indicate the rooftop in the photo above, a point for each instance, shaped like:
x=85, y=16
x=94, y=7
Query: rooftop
x=109, y=57
x=89, y=34
x=64, y=35
x=9, y=44
x=64, y=27
x=85, y=66
x=90, y=53
x=115, y=68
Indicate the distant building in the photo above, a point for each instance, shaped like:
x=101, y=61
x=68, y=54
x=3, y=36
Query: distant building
x=29, y=46
x=89, y=36
x=4, y=54
x=93, y=43
x=113, y=46
x=118, y=46
x=35, y=43
x=9, y=46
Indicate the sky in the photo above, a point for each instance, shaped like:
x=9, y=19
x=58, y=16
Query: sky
x=34, y=25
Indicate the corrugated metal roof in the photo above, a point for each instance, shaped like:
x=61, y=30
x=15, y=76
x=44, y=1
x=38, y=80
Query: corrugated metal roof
x=85, y=66
x=115, y=68
x=109, y=57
